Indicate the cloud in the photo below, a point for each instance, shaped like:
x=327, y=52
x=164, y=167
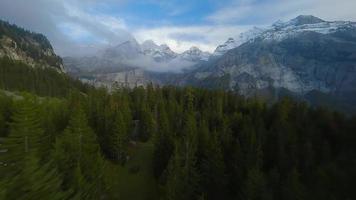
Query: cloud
x=71, y=25
x=176, y=65
x=81, y=27
x=265, y=12
x=181, y=38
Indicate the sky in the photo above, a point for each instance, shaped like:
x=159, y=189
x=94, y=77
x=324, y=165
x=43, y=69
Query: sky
x=84, y=27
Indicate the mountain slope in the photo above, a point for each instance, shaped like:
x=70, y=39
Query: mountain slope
x=31, y=48
x=302, y=56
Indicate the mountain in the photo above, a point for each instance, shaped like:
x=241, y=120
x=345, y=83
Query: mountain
x=160, y=53
x=281, y=30
x=303, y=56
x=232, y=43
x=134, y=61
x=194, y=54
x=127, y=50
x=31, y=48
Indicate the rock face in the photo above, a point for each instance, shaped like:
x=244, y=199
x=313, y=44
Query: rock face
x=32, y=48
x=128, y=78
x=302, y=56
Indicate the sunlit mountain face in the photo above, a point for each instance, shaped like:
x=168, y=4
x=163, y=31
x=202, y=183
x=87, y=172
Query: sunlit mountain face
x=177, y=100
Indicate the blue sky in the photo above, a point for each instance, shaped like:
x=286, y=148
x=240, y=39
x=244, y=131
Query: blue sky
x=80, y=27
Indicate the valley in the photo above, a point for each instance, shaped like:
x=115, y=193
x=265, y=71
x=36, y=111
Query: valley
x=267, y=115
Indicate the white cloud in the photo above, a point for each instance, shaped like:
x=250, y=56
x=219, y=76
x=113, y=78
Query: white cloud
x=68, y=24
x=182, y=38
x=64, y=20
x=261, y=12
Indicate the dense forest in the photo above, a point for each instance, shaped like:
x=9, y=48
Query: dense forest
x=60, y=139
x=15, y=75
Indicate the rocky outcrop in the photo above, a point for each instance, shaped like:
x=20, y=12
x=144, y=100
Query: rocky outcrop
x=31, y=48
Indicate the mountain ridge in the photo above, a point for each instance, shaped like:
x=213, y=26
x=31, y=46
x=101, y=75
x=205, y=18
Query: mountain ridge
x=31, y=48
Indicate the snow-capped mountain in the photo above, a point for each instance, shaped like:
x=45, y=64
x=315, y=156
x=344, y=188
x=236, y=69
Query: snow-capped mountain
x=232, y=43
x=131, y=54
x=304, y=23
x=281, y=30
x=160, y=53
x=302, y=56
x=194, y=54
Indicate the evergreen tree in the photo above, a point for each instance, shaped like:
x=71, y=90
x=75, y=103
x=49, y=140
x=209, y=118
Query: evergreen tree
x=183, y=175
x=78, y=148
x=24, y=138
x=23, y=175
x=120, y=138
x=255, y=186
x=163, y=143
x=147, y=125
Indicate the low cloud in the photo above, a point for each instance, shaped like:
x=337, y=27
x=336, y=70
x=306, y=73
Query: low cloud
x=176, y=65
x=182, y=38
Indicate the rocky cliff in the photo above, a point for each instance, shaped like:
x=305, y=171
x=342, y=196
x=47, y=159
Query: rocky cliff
x=31, y=48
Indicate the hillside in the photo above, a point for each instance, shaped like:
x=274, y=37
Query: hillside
x=31, y=48
x=301, y=56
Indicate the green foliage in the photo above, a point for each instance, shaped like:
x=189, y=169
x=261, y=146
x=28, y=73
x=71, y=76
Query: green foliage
x=21, y=171
x=170, y=143
x=78, y=158
x=18, y=76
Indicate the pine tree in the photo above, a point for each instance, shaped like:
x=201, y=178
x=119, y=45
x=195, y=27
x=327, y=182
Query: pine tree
x=213, y=179
x=255, y=186
x=147, y=124
x=24, y=177
x=24, y=138
x=120, y=138
x=77, y=147
x=183, y=175
x=163, y=144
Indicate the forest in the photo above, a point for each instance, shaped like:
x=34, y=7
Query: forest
x=60, y=139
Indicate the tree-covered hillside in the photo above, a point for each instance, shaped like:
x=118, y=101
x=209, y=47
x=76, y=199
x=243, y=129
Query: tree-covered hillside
x=32, y=48
x=172, y=143
x=18, y=76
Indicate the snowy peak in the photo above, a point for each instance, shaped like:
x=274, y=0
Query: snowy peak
x=281, y=30
x=232, y=43
x=194, y=54
x=223, y=48
x=160, y=53
x=149, y=44
x=306, y=19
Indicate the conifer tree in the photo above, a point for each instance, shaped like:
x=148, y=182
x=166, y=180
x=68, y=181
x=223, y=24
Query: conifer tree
x=78, y=147
x=24, y=177
x=24, y=138
x=120, y=138
x=163, y=143
x=255, y=185
x=183, y=175
x=147, y=124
